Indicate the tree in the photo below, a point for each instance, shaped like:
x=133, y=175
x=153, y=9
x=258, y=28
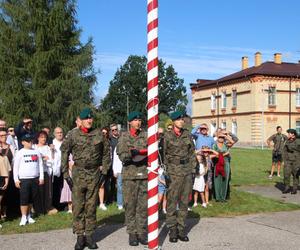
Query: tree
x=45, y=71
x=130, y=82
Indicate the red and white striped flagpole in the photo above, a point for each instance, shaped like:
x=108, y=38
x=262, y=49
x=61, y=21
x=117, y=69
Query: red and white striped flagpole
x=152, y=106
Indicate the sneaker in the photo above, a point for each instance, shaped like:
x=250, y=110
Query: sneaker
x=102, y=207
x=23, y=221
x=204, y=205
x=69, y=211
x=270, y=176
x=189, y=209
x=164, y=211
x=120, y=207
x=195, y=204
x=278, y=175
x=30, y=220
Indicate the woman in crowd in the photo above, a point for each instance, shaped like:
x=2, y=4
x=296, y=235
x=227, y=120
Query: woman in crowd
x=47, y=156
x=4, y=174
x=10, y=200
x=105, y=133
x=222, y=167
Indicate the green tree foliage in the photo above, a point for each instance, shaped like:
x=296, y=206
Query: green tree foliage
x=130, y=81
x=45, y=71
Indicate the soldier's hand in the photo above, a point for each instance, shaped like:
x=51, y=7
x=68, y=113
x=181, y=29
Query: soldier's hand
x=134, y=152
x=70, y=182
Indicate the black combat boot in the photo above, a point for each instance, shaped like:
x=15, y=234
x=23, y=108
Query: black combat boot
x=90, y=242
x=143, y=239
x=173, y=237
x=80, y=243
x=182, y=235
x=133, y=240
x=286, y=190
x=294, y=191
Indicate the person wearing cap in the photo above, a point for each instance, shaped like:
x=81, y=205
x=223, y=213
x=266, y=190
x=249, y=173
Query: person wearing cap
x=180, y=160
x=24, y=127
x=132, y=151
x=28, y=175
x=89, y=152
x=201, y=137
x=291, y=153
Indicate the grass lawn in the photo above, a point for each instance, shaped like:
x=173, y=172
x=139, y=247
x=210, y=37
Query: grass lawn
x=249, y=167
x=252, y=167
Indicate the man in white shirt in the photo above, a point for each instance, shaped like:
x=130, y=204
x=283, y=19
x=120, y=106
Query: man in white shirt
x=57, y=176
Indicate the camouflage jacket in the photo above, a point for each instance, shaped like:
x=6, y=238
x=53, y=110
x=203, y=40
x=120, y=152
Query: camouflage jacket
x=179, y=153
x=132, y=170
x=291, y=150
x=89, y=151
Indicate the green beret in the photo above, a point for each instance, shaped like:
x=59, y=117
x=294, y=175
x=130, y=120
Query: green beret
x=27, y=137
x=86, y=113
x=134, y=115
x=292, y=131
x=176, y=115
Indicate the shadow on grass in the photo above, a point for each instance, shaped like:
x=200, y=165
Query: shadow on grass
x=280, y=186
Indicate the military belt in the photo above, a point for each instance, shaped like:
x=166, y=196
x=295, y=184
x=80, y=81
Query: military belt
x=179, y=161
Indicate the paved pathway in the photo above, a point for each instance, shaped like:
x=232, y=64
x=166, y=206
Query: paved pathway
x=258, y=232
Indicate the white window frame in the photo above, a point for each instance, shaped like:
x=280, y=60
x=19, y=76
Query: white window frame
x=272, y=96
x=234, y=127
x=234, y=98
x=297, y=126
x=213, y=103
x=223, y=125
x=297, y=97
x=223, y=100
x=213, y=128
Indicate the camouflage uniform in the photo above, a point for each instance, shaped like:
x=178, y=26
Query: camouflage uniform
x=134, y=177
x=291, y=155
x=180, y=160
x=89, y=151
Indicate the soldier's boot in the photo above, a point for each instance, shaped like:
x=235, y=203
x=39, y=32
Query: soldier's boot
x=90, y=242
x=133, y=240
x=294, y=191
x=173, y=236
x=143, y=239
x=286, y=189
x=182, y=235
x=80, y=243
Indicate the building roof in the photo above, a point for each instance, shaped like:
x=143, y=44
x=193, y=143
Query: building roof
x=267, y=69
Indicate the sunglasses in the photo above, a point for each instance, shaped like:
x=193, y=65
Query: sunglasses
x=114, y=130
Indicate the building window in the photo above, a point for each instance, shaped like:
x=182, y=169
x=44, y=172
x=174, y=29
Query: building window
x=213, y=101
x=234, y=128
x=297, y=97
x=223, y=100
x=298, y=127
x=272, y=96
x=223, y=125
x=213, y=128
x=234, y=99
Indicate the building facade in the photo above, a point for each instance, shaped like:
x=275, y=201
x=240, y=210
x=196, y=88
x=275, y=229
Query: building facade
x=250, y=103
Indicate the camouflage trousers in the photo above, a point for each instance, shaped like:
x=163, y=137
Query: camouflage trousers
x=179, y=191
x=84, y=199
x=291, y=168
x=135, y=204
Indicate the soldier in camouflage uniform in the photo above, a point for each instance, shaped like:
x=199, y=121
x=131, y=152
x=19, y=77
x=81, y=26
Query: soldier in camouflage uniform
x=291, y=153
x=180, y=160
x=89, y=152
x=132, y=151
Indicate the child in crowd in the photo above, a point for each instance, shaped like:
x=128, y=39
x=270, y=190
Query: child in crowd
x=66, y=193
x=199, y=182
x=162, y=190
x=4, y=175
x=204, y=175
x=28, y=175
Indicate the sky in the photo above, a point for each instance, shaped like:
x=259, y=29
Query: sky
x=201, y=39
